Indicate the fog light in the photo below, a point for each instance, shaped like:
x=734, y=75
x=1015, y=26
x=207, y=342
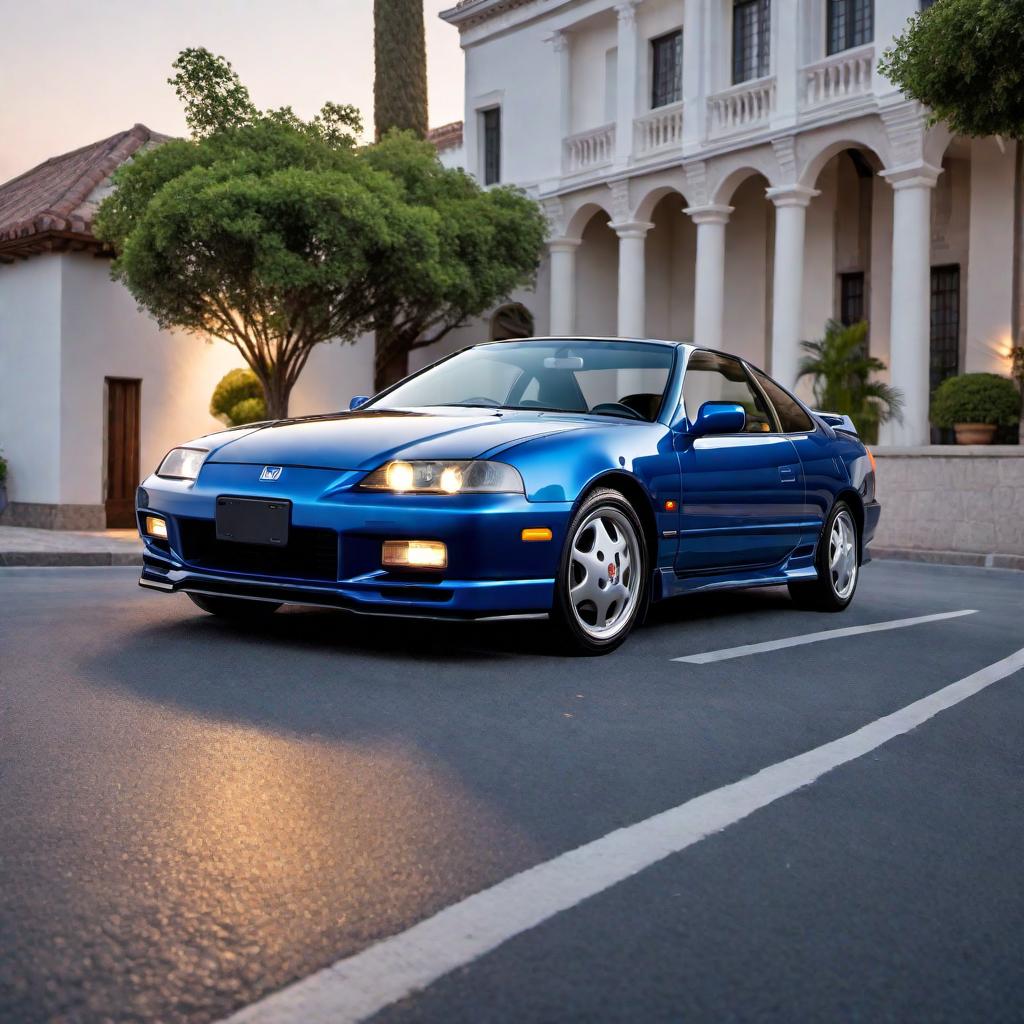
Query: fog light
x=415, y=554
x=156, y=527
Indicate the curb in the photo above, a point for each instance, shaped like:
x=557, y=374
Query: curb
x=933, y=557
x=13, y=559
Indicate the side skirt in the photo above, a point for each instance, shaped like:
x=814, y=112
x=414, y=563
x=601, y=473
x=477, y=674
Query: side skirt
x=669, y=584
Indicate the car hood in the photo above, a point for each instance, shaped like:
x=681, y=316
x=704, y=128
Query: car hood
x=364, y=440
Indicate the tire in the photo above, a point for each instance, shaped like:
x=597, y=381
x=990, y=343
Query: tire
x=233, y=607
x=601, y=594
x=838, y=574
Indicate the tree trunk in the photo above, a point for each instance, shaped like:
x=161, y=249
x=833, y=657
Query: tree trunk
x=276, y=393
x=390, y=360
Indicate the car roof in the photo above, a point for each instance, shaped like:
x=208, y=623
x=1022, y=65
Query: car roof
x=570, y=338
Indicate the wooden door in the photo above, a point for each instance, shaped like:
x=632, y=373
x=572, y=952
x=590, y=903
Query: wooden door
x=123, y=406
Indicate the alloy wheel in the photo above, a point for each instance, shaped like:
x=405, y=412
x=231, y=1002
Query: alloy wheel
x=842, y=555
x=604, y=573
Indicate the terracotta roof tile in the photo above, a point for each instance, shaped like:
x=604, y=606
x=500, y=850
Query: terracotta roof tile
x=58, y=195
x=446, y=135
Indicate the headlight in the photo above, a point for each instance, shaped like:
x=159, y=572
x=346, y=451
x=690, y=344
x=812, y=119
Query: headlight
x=182, y=463
x=456, y=477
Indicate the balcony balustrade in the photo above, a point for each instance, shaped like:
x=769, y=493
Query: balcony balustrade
x=660, y=130
x=838, y=77
x=590, y=149
x=744, y=107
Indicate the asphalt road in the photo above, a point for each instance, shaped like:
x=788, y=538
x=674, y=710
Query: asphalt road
x=195, y=814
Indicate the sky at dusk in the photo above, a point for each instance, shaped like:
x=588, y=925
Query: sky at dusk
x=74, y=71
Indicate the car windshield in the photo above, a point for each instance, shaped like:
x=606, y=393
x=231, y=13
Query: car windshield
x=603, y=378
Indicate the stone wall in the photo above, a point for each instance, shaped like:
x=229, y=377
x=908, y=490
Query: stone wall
x=962, y=504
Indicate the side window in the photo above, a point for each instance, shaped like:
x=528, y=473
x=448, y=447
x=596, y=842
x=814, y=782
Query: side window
x=791, y=416
x=711, y=377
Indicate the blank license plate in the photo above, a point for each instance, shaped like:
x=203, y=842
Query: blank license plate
x=253, y=521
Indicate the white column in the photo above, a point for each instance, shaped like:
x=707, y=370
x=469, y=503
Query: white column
x=694, y=93
x=910, y=330
x=563, y=286
x=791, y=204
x=627, y=78
x=560, y=45
x=786, y=27
x=709, y=296
x=632, y=282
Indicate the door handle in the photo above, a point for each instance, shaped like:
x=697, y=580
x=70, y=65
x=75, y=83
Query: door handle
x=787, y=474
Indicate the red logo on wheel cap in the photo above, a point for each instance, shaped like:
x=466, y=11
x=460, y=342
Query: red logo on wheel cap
x=611, y=570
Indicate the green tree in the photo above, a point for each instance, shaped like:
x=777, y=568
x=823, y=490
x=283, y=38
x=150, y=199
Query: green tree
x=263, y=230
x=490, y=242
x=841, y=371
x=962, y=58
x=400, y=67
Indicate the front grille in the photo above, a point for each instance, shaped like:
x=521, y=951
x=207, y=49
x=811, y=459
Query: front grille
x=310, y=554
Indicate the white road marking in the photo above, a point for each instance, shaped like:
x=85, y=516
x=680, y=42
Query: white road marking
x=812, y=638
x=361, y=985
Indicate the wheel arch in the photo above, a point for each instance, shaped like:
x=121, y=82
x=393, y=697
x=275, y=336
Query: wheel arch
x=636, y=494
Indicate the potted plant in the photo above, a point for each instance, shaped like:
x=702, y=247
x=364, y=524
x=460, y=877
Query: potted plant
x=3, y=482
x=974, y=405
x=841, y=371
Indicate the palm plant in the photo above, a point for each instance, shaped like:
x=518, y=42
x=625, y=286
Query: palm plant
x=841, y=370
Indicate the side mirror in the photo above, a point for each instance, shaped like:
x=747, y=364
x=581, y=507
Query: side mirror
x=719, y=418
x=358, y=402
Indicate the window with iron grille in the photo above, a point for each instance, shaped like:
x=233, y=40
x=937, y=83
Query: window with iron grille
x=850, y=23
x=851, y=298
x=945, y=324
x=492, y=145
x=667, y=69
x=751, y=39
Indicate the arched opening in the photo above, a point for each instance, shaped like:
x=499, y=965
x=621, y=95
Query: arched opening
x=512, y=320
x=670, y=257
x=597, y=278
x=846, y=256
x=749, y=243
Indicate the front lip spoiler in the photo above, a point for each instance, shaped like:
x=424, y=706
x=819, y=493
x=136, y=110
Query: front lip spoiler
x=219, y=586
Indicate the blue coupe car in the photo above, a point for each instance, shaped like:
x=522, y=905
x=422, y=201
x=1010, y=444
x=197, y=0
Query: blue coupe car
x=576, y=479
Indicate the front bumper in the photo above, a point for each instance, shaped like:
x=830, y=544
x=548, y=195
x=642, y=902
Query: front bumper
x=336, y=538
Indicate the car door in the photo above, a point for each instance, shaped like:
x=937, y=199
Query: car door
x=742, y=494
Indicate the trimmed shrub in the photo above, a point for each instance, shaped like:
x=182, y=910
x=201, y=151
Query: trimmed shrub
x=976, y=398
x=238, y=399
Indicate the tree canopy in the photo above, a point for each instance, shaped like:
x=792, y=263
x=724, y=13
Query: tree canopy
x=962, y=58
x=489, y=244
x=277, y=234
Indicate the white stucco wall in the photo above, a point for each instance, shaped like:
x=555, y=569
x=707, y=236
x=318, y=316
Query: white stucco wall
x=988, y=278
x=105, y=335
x=65, y=327
x=30, y=377
x=518, y=72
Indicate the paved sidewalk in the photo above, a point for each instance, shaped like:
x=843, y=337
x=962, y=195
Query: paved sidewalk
x=20, y=545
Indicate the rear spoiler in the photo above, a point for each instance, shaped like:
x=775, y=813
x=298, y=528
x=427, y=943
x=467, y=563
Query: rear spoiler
x=838, y=422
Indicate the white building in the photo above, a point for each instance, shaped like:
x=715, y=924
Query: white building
x=733, y=172
x=736, y=172
x=92, y=392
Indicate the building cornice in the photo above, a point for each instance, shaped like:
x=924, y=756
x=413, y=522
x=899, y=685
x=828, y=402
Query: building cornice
x=471, y=12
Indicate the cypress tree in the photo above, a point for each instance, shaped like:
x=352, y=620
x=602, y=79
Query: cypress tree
x=400, y=66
